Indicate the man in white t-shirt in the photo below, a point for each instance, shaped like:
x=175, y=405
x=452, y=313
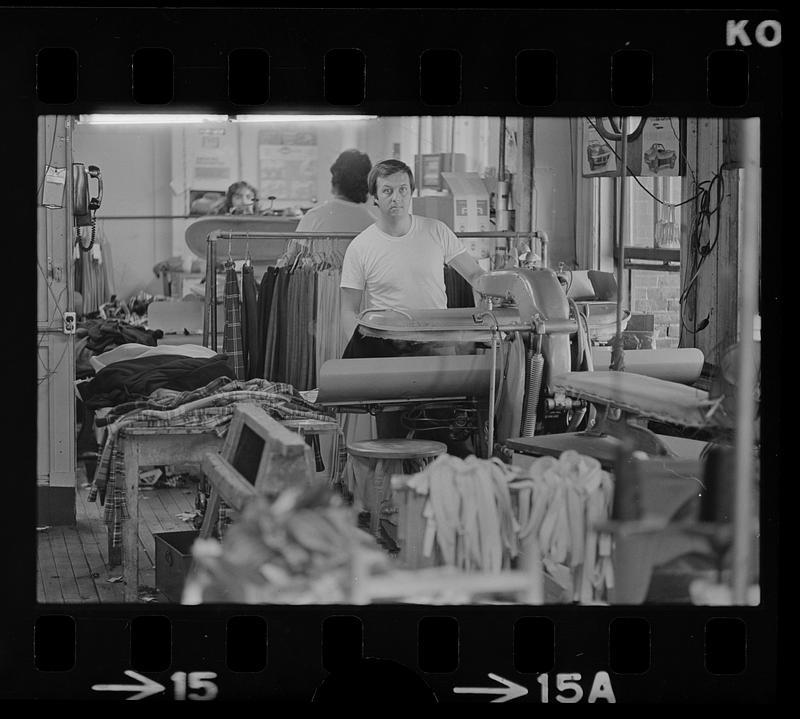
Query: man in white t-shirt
x=398, y=262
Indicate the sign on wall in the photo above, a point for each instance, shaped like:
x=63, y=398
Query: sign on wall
x=654, y=150
x=212, y=156
x=598, y=157
x=287, y=164
x=660, y=147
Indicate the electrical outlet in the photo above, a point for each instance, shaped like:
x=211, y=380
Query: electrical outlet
x=70, y=323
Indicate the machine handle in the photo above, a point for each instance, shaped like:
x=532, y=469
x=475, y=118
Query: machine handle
x=383, y=309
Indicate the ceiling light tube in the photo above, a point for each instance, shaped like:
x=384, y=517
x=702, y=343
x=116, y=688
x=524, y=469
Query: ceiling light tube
x=149, y=119
x=300, y=118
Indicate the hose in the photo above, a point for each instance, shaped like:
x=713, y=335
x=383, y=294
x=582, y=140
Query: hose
x=492, y=395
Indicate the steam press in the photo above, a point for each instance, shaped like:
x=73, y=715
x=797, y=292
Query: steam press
x=531, y=302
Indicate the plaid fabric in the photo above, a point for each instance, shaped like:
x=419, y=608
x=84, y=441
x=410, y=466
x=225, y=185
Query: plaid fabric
x=210, y=407
x=232, y=342
x=224, y=518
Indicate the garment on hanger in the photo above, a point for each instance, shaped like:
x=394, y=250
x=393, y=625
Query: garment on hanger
x=274, y=359
x=251, y=331
x=93, y=272
x=265, y=291
x=232, y=340
x=328, y=322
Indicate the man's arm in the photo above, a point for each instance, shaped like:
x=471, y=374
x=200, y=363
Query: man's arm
x=350, y=303
x=466, y=266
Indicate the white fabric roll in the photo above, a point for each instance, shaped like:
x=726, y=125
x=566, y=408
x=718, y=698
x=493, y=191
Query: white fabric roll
x=682, y=365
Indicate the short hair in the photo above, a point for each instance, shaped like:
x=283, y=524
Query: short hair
x=386, y=168
x=349, y=175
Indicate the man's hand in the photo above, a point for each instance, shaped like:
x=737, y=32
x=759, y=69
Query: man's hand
x=350, y=303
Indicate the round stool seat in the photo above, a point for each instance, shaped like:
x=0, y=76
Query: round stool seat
x=397, y=448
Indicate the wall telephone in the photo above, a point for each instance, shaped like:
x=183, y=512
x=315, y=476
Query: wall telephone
x=84, y=206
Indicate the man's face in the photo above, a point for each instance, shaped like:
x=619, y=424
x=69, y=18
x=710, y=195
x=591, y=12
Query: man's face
x=394, y=195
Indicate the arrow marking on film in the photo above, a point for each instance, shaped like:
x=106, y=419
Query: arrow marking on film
x=508, y=692
x=143, y=690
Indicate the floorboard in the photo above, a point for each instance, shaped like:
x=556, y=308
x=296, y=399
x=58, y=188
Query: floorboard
x=81, y=569
x=49, y=569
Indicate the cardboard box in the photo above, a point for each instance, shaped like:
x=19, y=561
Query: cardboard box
x=173, y=561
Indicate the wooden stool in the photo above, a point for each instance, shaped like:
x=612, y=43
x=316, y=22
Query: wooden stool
x=315, y=428
x=380, y=451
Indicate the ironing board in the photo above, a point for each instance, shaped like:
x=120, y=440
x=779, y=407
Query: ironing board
x=646, y=397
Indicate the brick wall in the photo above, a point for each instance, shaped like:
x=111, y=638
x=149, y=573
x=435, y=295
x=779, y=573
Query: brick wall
x=656, y=293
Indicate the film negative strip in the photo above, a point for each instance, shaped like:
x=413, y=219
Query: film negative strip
x=686, y=104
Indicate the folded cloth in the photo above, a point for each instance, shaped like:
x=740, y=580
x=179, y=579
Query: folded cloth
x=105, y=333
x=132, y=350
x=137, y=378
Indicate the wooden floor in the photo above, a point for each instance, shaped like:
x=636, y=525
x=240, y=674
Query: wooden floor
x=73, y=561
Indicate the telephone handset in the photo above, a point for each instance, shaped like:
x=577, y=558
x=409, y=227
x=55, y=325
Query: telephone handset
x=83, y=205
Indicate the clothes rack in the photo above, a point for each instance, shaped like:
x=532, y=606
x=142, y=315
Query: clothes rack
x=210, y=315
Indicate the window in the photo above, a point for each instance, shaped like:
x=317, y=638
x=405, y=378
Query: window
x=652, y=224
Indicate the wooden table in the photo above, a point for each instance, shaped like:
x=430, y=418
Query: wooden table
x=151, y=446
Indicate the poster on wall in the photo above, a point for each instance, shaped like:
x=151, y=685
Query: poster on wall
x=598, y=158
x=660, y=145
x=287, y=164
x=211, y=158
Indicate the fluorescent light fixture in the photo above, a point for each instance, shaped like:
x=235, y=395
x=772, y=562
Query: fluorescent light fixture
x=301, y=118
x=150, y=119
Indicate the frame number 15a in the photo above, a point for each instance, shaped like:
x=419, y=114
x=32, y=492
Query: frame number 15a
x=567, y=690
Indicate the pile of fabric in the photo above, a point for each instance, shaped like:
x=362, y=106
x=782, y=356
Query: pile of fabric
x=480, y=515
x=209, y=407
x=137, y=378
x=96, y=336
x=302, y=548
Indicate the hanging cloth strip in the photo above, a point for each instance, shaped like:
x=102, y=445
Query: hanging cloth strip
x=469, y=512
x=560, y=501
x=232, y=344
x=480, y=513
